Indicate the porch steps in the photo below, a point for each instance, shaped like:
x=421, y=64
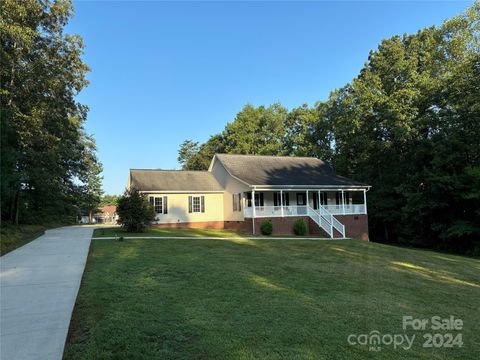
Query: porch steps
x=326, y=222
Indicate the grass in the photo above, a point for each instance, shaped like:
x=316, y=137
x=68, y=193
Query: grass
x=266, y=299
x=164, y=232
x=12, y=237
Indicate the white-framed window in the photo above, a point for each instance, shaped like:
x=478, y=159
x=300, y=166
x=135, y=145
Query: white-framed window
x=159, y=203
x=196, y=204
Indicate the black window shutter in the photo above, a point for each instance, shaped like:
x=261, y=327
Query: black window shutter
x=261, y=199
x=347, y=198
x=189, y=204
x=202, y=203
x=165, y=205
x=275, y=199
x=337, y=198
x=287, y=199
x=249, y=199
x=315, y=201
x=239, y=202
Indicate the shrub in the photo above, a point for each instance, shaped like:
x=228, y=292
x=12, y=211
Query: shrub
x=300, y=227
x=266, y=227
x=134, y=211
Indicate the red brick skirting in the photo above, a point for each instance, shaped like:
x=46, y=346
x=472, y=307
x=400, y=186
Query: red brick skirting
x=280, y=226
x=356, y=226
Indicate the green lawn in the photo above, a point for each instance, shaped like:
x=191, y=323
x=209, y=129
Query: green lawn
x=164, y=232
x=13, y=237
x=266, y=299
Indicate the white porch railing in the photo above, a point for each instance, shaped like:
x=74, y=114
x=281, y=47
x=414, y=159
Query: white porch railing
x=350, y=209
x=276, y=211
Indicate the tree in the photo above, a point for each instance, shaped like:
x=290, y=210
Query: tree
x=109, y=200
x=256, y=131
x=408, y=125
x=134, y=211
x=186, y=153
x=42, y=139
x=91, y=182
x=307, y=133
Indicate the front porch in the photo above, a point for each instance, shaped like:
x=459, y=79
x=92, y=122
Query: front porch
x=280, y=203
x=329, y=209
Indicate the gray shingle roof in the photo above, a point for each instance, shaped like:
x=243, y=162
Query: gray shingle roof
x=173, y=180
x=283, y=170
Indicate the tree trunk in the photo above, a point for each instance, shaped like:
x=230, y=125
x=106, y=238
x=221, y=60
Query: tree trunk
x=90, y=217
x=385, y=229
x=17, y=207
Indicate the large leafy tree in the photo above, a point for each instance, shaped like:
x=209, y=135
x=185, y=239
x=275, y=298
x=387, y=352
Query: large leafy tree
x=256, y=130
x=307, y=133
x=408, y=125
x=188, y=150
x=46, y=155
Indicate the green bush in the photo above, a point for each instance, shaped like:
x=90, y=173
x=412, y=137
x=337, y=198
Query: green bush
x=266, y=227
x=134, y=211
x=300, y=227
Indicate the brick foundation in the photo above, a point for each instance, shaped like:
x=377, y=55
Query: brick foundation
x=282, y=226
x=356, y=226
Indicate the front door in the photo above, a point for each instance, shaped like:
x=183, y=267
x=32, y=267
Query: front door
x=301, y=202
x=301, y=199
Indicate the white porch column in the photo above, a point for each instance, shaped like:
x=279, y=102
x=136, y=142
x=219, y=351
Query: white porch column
x=308, y=202
x=253, y=212
x=281, y=202
x=343, y=202
x=365, y=201
x=318, y=194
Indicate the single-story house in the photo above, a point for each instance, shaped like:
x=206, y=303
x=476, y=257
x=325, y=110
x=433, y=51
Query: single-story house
x=240, y=191
x=107, y=215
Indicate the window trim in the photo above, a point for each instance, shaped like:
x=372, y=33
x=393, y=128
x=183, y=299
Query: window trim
x=192, y=207
x=163, y=200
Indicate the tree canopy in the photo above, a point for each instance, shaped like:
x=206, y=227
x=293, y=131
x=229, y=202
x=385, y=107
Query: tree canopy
x=49, y=168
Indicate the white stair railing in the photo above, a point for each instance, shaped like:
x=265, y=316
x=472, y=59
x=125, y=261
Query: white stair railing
x=327, y=221
x=321, y=221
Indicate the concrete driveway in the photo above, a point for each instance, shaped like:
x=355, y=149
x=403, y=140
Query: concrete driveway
x=39, y=285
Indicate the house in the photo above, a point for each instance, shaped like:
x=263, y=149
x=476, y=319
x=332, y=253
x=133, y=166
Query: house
x=107, y=215
x=240, y=191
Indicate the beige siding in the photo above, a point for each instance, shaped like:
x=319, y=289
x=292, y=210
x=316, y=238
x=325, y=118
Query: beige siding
x=178, y=208
x=231, y=186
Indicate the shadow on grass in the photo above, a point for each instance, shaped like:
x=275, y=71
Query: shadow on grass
x=225, y=299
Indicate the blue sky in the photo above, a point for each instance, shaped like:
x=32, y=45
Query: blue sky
x=163, y=72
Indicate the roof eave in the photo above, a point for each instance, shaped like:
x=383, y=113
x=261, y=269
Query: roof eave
x=311, y=186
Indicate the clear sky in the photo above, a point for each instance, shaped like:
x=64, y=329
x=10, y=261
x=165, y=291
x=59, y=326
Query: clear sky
x=163, y=72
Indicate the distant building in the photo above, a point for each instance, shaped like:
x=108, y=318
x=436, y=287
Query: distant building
x=107, y=215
